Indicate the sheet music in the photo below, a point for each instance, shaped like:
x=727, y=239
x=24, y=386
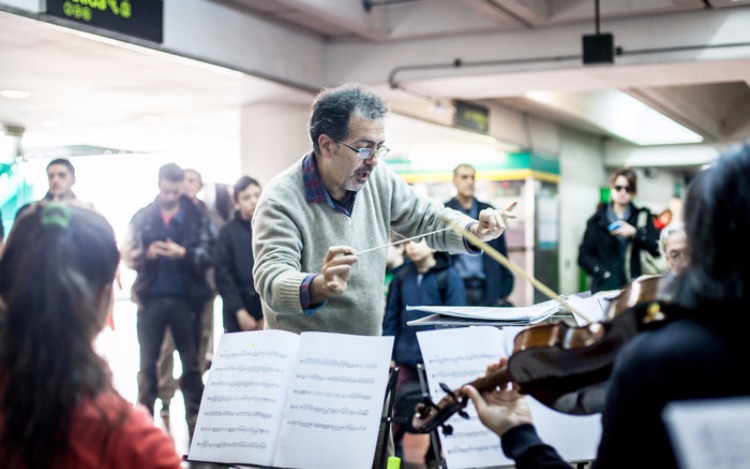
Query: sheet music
x=710, y=433
x=594, y=307
x=456, y=357
x=533, y=313
x=336, y=395
x=238, y=421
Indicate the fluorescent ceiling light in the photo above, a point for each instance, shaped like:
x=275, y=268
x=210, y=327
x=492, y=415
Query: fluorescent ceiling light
x=619, y=114
x=15, y=94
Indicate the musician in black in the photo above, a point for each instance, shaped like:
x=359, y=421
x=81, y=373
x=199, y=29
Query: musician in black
x=702, y=352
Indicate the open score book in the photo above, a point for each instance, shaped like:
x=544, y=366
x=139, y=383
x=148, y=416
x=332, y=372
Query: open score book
x=278, y=399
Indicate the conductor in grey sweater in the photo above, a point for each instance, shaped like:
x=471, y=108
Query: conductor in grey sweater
x=338, y=199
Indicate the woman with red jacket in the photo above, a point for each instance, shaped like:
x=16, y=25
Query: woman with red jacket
x=58, y=408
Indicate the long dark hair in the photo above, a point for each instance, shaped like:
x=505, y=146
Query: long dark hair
x=56, y=270
x=717, y=223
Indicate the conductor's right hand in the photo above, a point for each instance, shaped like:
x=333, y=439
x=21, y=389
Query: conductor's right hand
x=333, y=278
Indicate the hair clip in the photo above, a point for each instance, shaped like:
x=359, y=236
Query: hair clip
x=55, y=213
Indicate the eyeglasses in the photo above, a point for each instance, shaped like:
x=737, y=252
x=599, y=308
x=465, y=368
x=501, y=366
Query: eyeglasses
x=627, y=189
x=366, y=153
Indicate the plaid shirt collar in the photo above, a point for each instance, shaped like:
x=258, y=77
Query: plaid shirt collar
x=315, y=191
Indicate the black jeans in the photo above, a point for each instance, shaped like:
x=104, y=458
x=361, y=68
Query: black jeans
x=153, y=318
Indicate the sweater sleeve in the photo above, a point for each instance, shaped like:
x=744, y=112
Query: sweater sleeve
x=277, y=249
x=412, y=215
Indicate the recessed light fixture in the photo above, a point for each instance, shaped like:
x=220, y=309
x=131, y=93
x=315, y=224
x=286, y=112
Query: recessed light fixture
x=50, y=123
x=15, y=94
x=619, y=114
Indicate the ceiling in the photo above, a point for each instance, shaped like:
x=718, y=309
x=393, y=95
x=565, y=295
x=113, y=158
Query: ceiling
x=93, y=91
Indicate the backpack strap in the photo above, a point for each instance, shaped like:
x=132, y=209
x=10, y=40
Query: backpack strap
x=442, y=280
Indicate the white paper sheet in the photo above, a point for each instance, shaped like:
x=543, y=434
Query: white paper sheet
x=238, y=420
x=337, y=392
x=593, y=307
x=520, y=314
x=458, y=356
x=710, y=433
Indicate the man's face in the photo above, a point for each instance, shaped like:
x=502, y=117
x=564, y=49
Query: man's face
x=464, y=182
x=247, y=200
x=346, y=171
x=677, y=251
x=61, y=180
x=169, y=193
x=191, y=184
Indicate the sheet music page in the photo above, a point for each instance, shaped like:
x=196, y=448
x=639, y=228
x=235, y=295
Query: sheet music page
x=242, y=403
x=456, y=357
x=334, y=402
x=710, y=433
x=594, y=307
x=520, y=313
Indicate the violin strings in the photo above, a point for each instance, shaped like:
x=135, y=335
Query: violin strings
x=489, y=250
x=394, y=243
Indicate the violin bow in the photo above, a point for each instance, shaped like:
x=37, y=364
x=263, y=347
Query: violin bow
x=504, y=261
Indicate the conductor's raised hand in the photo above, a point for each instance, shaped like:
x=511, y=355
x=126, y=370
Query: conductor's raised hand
x=492, y=222
x=334, y=276
x=500, y=409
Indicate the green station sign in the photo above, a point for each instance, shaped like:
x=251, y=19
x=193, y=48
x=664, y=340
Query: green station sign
x=143, y=19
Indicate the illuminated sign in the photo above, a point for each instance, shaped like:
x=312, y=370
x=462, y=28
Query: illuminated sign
x=471, y=117
x=143, y=19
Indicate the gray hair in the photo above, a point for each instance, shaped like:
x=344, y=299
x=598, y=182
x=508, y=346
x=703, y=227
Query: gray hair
x=669, y=230
x=333, y=108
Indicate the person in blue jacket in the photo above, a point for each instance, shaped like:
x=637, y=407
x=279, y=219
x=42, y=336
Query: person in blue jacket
x=427, y=280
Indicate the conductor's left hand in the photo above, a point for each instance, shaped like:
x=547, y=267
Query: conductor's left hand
x=492, y=222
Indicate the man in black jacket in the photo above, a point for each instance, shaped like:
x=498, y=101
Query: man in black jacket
x=170, y=246
x=234, y=262
x=487, y=283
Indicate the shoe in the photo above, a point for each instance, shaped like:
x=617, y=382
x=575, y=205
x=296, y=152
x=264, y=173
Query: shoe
x=164, y=412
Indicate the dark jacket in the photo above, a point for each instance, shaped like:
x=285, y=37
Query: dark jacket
x=405, y=291
x=499, y=279
x=602, y=255
x=234, y=271
x=193, y=233
x=656, y=367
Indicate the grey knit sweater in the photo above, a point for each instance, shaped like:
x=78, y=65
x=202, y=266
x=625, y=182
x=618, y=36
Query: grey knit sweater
x=291, y=237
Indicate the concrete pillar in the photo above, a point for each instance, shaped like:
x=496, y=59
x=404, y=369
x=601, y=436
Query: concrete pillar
x=273, y=136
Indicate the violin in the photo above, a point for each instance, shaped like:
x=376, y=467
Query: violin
x=564, y=367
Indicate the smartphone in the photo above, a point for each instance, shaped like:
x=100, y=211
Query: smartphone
x=614, y=225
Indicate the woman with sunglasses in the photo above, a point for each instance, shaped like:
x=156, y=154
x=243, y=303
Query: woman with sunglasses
x=610, y=251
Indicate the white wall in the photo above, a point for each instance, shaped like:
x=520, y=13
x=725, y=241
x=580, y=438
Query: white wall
x=274, y=136
x=582, y=173
x=32, y=6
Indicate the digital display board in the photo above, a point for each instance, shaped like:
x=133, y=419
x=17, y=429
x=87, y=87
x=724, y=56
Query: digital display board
x=143, y=19
x=471, y=117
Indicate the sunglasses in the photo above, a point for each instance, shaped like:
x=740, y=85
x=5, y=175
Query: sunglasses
x=627, y=189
